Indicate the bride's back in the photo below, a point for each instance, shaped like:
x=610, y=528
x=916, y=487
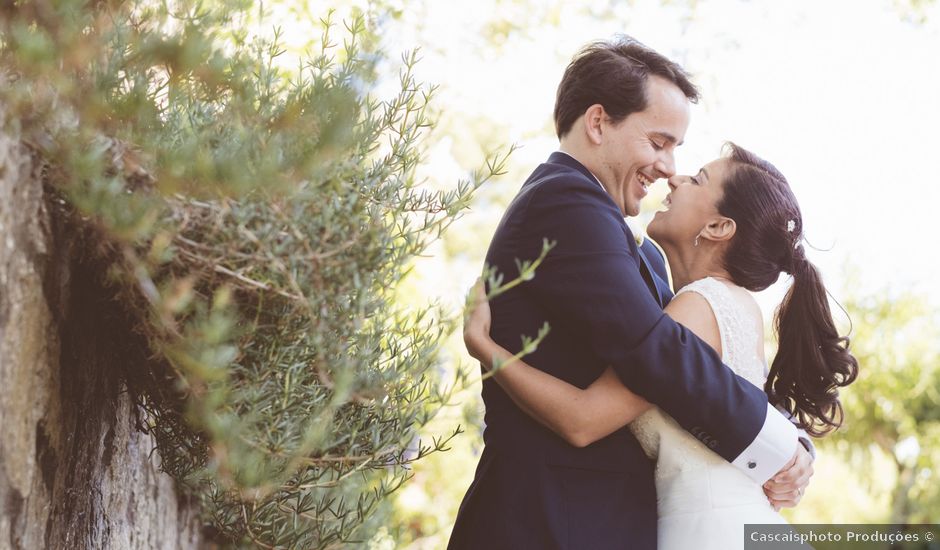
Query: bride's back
x=700, y=496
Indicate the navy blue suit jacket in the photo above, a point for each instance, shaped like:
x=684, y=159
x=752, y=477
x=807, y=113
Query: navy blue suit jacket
x=604, y=299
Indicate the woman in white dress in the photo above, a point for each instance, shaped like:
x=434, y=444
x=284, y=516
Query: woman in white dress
x=731, y=228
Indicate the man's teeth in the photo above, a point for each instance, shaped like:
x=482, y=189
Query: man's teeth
x=644, y=181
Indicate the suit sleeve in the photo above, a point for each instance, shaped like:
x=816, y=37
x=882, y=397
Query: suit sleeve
x=591, y=283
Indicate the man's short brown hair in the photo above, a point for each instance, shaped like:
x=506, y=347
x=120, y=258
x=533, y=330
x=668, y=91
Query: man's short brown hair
x=613, y=73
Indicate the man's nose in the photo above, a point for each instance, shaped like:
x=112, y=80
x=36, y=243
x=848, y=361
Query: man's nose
x=672, y=182
x=666, y=165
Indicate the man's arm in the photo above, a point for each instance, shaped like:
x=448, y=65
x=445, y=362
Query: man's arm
x=657, y=262
x=786, y=489
x=591, y=281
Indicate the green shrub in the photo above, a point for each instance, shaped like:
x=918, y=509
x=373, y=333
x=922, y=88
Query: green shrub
x=255, y=222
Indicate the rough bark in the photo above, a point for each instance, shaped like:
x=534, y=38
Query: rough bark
x=75, y=472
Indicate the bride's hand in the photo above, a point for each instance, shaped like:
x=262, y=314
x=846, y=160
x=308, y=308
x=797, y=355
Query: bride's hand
x=476, y=320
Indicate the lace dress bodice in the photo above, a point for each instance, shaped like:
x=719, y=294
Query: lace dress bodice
x=687, y=472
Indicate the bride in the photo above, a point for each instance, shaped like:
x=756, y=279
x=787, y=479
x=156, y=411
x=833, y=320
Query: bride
x=730, y=229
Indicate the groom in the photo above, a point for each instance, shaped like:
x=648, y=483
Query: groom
x=620, y=112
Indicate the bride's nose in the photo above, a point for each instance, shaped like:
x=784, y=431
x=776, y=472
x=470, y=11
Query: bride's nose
x=676, y=181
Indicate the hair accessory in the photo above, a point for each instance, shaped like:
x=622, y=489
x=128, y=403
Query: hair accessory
x=791, y=225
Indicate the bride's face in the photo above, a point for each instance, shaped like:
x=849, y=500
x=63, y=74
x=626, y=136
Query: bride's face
x=691, y=204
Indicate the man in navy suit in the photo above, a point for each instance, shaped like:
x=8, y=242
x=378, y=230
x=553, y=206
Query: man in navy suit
x=621, y=111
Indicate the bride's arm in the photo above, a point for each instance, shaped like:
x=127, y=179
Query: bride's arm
x=579, y=416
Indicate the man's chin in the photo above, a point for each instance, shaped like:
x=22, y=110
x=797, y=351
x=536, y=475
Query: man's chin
x=630, y=210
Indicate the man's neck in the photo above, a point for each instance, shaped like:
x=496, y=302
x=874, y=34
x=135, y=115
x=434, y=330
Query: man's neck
x=583, y=154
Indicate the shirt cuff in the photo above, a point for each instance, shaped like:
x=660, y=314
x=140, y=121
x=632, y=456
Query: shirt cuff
x=770, y=451
x=804, y=437
x=807, y=443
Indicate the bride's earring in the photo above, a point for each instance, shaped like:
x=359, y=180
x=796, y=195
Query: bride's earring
x=696, y=240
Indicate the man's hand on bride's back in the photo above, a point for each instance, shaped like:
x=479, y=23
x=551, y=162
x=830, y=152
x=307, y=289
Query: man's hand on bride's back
x=476, y=320
x=785, y=490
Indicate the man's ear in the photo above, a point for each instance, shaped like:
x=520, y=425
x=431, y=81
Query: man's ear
x=593, y=123
x=720, y=229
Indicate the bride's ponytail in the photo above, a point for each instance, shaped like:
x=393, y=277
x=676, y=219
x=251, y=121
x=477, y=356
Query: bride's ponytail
x=812, y=360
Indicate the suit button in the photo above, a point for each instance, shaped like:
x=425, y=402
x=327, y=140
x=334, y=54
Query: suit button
x=751, y=465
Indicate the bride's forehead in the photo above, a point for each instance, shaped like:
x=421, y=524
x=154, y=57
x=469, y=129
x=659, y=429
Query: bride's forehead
x=716, y=169
x=719, y=163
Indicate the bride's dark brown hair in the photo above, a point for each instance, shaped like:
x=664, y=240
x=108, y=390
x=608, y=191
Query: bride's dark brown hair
x=813, y=360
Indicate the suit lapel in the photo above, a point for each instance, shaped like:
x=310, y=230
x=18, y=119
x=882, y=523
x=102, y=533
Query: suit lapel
x=647, y=271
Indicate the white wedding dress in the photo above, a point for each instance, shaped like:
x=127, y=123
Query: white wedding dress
x=703, y=501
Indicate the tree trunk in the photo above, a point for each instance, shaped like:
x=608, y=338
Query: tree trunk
x=75, y=472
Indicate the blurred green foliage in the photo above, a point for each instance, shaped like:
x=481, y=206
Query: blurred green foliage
x=256, y=222
x=894, y=407
x=882, y=465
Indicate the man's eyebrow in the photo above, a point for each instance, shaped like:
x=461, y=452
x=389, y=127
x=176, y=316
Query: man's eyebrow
x=668, y=137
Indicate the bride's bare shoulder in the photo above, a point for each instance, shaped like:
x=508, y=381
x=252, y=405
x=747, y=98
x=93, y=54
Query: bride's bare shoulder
x=692, y=310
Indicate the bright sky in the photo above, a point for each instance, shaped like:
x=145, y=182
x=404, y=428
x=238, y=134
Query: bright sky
x=841, y=95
